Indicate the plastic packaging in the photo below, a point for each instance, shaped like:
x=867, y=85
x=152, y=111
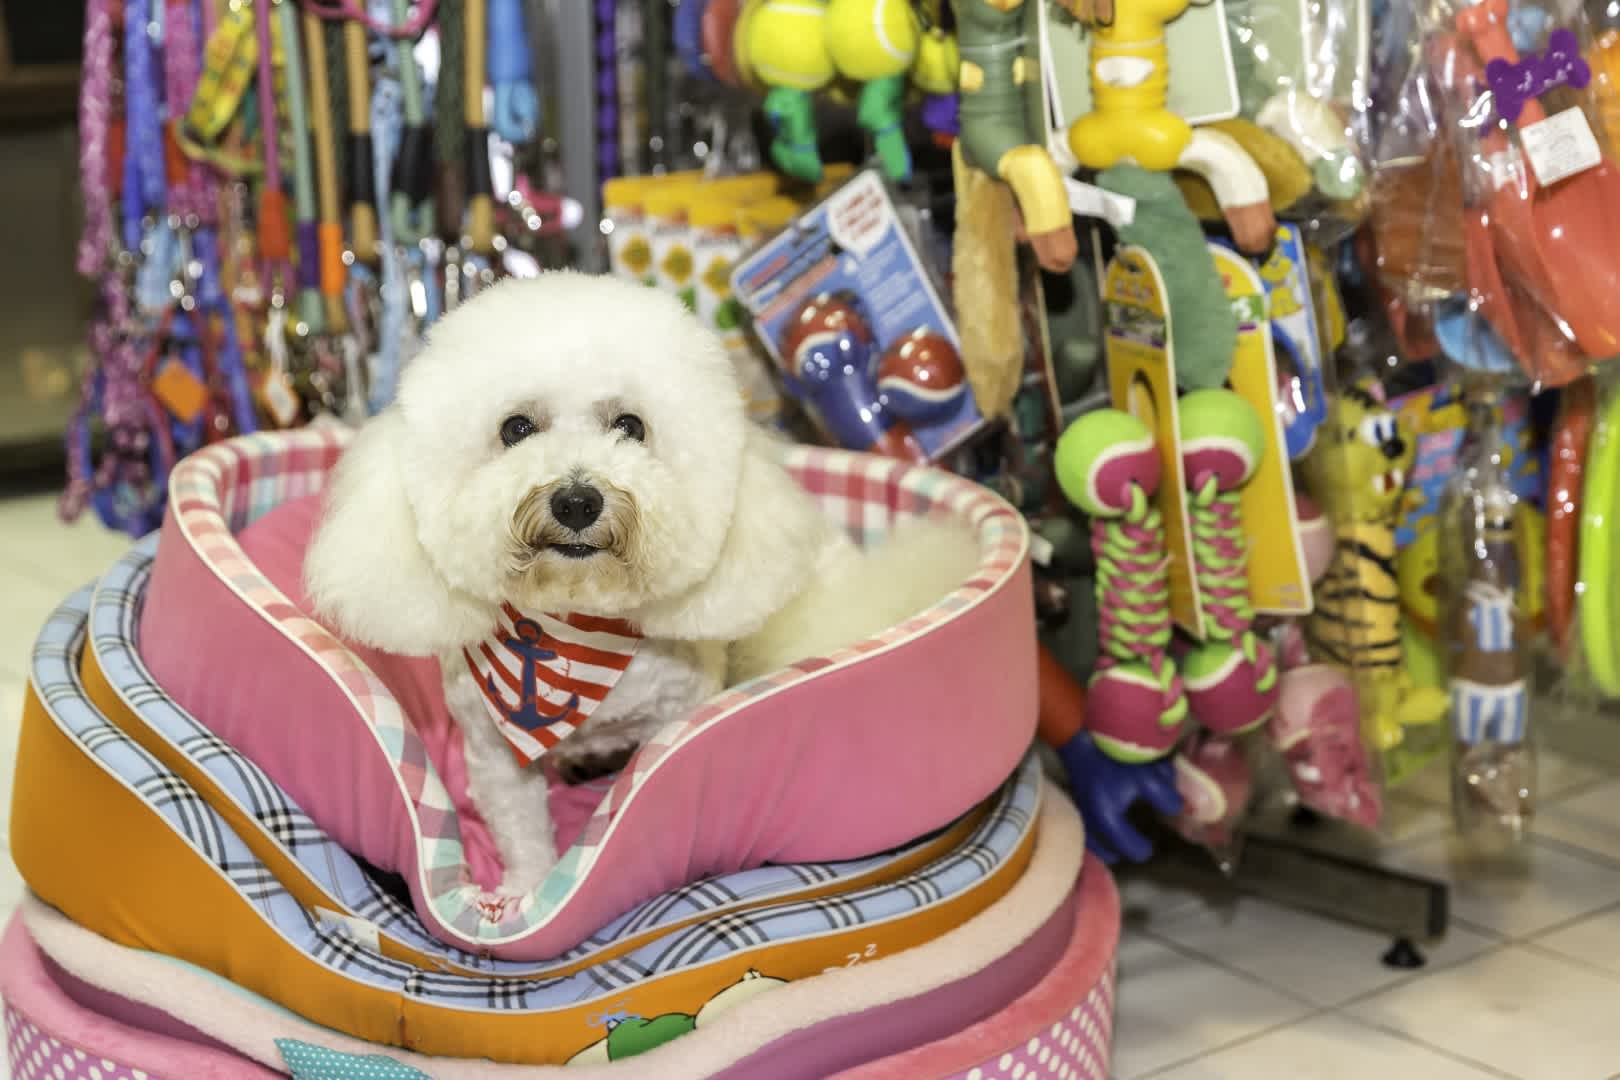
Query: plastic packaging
x=1485, y=630
x=1520, y=112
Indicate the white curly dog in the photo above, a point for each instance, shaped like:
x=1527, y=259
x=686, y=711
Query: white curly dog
x=567, y=481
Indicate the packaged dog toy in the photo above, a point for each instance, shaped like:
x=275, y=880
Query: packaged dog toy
x=1522, y=112
x=625, y=221
x=853, y=321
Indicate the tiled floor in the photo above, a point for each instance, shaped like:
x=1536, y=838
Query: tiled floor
x=1526, y=984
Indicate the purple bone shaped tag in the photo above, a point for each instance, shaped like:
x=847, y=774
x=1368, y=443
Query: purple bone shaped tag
x=1513, y=86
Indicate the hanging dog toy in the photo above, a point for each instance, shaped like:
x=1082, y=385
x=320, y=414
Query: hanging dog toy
x=1231, y=678
x=799, y=47
x=1358, y=473
x=1130, y=121
x=1108, y=465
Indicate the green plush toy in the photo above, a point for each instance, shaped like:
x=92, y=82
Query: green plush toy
x=1202, y=322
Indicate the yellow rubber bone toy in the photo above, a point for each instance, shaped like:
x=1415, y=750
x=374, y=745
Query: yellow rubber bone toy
x=1130, y=83
x=1130, y=120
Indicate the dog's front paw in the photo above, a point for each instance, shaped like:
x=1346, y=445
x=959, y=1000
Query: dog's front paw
x=593, y=756
x=593, y=763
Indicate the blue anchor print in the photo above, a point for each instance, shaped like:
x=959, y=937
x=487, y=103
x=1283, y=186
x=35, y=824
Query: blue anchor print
x=530, y=714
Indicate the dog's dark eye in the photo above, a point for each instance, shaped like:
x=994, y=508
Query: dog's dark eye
x=514, y=429
x=630, y=426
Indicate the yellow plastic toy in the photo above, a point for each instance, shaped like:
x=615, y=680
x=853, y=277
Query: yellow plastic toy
x=1130, y=122
x=1130, y=82
x=1358, y=473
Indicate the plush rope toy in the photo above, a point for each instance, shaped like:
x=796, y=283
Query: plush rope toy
x=1108, y=466
x=1231, y=678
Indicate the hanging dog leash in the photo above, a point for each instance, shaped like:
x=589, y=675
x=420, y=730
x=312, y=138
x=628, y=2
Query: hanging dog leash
x=329, y=230
x=511, y=72
x=311, y=308
x=480, y=191
x=361, y=174
x=399, y=27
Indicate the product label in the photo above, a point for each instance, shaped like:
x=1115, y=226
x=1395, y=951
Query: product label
x=852, y=320
x=715, y=252
x=671, y=243
x=629, y=251
x=1142, y=382
x=1278, y=583
x=1438, y=421
x=361, y=930
x=1560, y=146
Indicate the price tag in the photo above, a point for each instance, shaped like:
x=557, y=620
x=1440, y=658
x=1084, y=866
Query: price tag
x=1560, y=146
x=180, y=391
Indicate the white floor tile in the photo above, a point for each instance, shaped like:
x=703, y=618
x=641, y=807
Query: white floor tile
x=1588, y=820
x=1173, y=1007
x=1407, y=817
x=1147, y=893
x=1327, y=1047
x=1516, y=1009
x=1319, y=960
x=1594, y=940
x=1557, y=774
x=26, y=601
x=32, y=536
x=1557, y=886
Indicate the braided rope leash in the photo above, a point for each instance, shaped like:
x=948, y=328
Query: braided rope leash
x=1232, y=676
x=1108, y=465
x=96, y=165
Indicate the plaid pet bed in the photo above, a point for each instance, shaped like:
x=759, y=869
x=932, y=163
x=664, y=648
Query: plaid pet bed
x=219, y=491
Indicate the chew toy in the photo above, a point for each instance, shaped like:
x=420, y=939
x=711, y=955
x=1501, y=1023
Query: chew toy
x=1572, y=433
x=1108, y=465
x=1358, y=473
x=832, y=363
x=997, y=137
x=797, y=47
x=1130, y=121
x=1231, y=678
x=1202, y=323
x=1006, y=182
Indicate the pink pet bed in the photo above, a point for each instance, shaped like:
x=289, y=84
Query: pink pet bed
x=833, y=758
x=80, y=1008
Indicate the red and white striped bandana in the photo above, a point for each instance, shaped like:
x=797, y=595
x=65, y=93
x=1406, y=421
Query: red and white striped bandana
x=543, y=675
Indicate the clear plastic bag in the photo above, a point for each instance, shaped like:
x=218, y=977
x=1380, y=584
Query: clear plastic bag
x=1517, y=107
x=1302, y=75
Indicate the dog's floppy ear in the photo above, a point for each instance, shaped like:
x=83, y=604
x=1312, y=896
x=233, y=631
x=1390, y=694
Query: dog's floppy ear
x=366, y=572
x=776, y=536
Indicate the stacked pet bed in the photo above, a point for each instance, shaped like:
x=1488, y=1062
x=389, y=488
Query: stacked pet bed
x=252, y=850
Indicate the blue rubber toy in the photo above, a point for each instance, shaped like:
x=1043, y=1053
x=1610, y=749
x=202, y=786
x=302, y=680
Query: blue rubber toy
x=1104, y=790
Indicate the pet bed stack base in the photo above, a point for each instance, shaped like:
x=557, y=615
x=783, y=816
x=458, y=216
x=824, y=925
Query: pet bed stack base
x=1059, y=1027
x=194, y=917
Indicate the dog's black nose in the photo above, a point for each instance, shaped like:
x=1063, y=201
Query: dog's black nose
x=576, y=506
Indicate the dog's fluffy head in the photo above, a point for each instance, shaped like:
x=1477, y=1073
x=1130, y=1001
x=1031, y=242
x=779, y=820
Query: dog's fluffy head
x=568, y=443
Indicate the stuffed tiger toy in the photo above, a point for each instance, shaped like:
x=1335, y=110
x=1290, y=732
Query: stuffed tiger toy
x=1358, y=473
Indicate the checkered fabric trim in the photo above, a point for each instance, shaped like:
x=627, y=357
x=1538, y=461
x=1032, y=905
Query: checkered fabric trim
x=114, y=624
x=220, y=490
x=992, y=842
x=55, y=675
